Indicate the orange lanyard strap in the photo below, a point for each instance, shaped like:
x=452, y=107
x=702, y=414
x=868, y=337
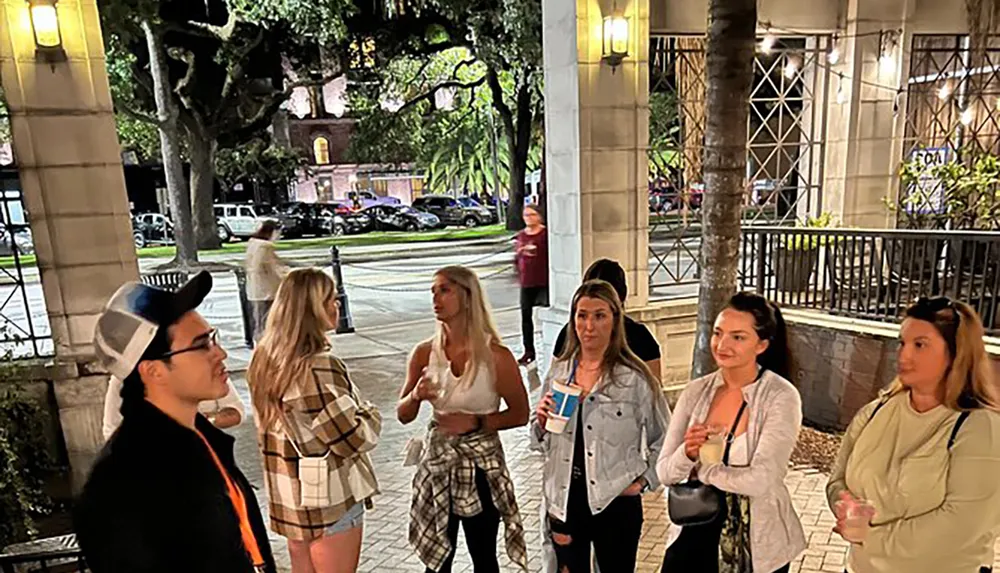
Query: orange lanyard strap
x=240, y=505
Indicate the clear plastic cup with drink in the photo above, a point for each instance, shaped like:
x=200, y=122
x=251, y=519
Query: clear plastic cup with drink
x=712, y=450
x=566, y=398
x=857, y=514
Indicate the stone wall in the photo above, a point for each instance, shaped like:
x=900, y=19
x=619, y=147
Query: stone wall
x=838, y=364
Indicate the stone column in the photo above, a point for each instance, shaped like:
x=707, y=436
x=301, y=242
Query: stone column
x=596, y=140
x=865, y=132
x=71, y=172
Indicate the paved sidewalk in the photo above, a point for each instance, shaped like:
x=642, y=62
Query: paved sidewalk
x=377, y=361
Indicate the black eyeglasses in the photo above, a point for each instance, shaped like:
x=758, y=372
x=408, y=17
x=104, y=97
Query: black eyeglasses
x=211, y=341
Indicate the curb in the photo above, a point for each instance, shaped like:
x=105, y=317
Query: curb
x=405, y=251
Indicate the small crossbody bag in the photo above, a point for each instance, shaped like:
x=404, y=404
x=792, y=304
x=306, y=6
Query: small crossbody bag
x=696, y=503
x=314, y=477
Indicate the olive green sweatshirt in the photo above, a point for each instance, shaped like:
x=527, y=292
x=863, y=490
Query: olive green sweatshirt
x=936, y=508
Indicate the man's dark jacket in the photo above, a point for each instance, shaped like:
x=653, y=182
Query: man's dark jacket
x=155, y=502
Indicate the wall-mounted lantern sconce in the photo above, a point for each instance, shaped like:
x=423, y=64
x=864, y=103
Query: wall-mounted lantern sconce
x=614, y=41
x=45, y=28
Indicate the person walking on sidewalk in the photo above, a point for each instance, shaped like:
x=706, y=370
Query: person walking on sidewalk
x=531, y=257
x=734, y=431
x=264, y=273
x=915, y=485
x=464, y=371
x=596, y=469
x=315, y=431
x=165, y=494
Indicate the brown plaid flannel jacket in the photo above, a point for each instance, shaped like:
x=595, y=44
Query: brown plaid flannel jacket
x=322, y=412
x=445, y=483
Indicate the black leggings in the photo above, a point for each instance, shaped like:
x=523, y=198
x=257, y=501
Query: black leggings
x=480, y=532
x=530, y=298
x=615, y=533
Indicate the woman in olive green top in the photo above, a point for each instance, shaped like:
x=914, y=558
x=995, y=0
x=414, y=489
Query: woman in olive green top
x=916, y=487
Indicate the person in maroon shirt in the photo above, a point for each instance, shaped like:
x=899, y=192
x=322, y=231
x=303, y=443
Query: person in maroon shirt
x=532, y=260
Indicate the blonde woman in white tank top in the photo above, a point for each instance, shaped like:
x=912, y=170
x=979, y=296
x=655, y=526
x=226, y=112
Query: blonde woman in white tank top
x=462, y=477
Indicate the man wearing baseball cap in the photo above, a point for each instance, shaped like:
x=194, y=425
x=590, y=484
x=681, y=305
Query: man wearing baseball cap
x=165, y=494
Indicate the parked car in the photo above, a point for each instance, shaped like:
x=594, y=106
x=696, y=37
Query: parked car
x=447, y=209
x=240, y=221
x=348, y=223
x=476, y=213
x=400, y=218
x=339, y=207
x=363, y=199
x=152, y=229
x=21, y=241
x=299, y=219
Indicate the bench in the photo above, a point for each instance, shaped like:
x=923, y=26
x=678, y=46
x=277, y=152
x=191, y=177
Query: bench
x=51, y=555
x=170, y=281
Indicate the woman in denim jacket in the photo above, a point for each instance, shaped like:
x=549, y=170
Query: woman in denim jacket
x=597, y=467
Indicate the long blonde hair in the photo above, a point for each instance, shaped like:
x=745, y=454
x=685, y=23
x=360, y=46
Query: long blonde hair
x=295, y=333
x=480, y=329
x=970, y=381
x=618, y=351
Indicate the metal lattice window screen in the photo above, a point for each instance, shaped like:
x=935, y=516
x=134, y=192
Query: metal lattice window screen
x=786, y=134
x=24, y=329
x=952, y=123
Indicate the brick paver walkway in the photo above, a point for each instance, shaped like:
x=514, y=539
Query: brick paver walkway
x=386, y=548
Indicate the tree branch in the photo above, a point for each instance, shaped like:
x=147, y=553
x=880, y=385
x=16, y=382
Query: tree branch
x=224, y=32
x=460, y=65
x=262, y=118
x=444, y=85
x=144, y=117
x=238, y=70
x=506, y=115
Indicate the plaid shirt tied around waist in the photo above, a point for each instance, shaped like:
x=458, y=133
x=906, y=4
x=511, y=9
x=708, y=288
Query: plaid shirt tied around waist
x=445, y=483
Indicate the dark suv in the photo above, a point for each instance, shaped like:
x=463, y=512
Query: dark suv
x=447, y=209
x=463, y=211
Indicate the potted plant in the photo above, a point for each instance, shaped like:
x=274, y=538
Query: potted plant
x=796, y=256
x=947, y=193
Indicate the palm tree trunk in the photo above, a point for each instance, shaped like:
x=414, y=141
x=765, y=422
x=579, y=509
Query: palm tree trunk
x=170, y=149
x=732, y=28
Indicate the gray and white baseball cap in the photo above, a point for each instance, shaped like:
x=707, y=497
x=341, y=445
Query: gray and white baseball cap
x=133, y=325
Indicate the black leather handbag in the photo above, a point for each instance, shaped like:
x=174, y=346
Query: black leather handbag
x=696, y=503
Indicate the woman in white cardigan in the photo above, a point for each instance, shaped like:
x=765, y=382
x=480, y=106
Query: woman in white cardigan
x=759, y=413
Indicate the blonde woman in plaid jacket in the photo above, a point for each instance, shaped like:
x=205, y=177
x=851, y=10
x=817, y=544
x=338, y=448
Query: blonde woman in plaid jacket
x=462, y=478
x=307, y=406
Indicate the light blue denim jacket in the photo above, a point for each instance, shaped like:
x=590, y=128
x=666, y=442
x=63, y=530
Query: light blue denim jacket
x=617, y=416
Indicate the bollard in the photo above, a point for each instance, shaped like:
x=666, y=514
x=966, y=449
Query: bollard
x=346, y=323
x=245, y=310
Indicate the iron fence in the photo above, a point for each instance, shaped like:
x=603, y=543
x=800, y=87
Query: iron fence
x=786, y=135
x=872, y=274
x=24, y=327
x=952, y=117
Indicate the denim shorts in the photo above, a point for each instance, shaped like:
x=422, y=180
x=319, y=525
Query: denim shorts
x=353, y=518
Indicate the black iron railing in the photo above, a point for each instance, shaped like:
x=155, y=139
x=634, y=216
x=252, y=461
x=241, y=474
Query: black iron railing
x=872, y=274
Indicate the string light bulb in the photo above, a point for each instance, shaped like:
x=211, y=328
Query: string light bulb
x=966, y=117
x=767, y=43
x=944, y=91
x=841, y=94
x=888, y=39
x=834, y=55
x=791, y=67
